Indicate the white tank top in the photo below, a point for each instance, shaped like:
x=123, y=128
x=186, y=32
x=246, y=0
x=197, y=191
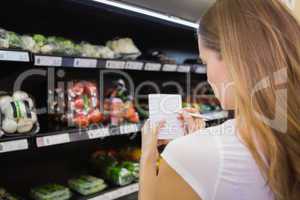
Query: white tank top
x=217, y=165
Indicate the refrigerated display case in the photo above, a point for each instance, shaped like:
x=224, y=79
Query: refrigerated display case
x=80, y=61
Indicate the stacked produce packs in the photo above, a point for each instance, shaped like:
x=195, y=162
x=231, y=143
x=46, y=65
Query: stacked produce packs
x=87, y=185
x=37, y=43
x=114, y=167
x=80, y=106
x=51, y=192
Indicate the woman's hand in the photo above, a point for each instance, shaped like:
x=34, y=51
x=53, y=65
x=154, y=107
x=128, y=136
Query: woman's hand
x=190, y=124
x=150, y=141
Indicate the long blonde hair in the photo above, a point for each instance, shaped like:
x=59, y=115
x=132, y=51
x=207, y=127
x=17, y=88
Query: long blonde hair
x=259, y=40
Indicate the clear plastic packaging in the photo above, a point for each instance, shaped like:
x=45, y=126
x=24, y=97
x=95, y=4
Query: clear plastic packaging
x=18, y=115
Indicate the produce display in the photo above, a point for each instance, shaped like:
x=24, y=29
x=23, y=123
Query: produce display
x=18, y=113
x=37, y=43
x=124, y=47
x=87, y=185
x=83, y=104
x=51, y=192
x=115, y=170
x=80, y=105
x=133, y=167
x=4, y=195
x=204, y=105
x=119, y=105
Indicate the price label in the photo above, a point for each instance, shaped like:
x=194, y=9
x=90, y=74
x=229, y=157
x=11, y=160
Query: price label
x=115, y=64
x=53, y=140
x=184, y=68
x=101, y=197
x=15, y=145
x=124, y=191
x=83, y=62
x=152, y=66
x=125, y=129
x=47, y=61
x=215, y=115
x=98, y=133
x=134, y=65
x=14, y=56
x=169, y=68
x=200, y=70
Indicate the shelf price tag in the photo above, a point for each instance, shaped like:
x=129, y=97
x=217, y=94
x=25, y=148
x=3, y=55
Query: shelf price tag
x=84, y=62
x=152, y=66
x=15, y=145
x=101, y=197
x=216, y=115
x=14, y=56
x=124, y=191
x=131, y=128
x=48, y=61
x=98, y=133
x=115, y=64
x=134, y=65
x=169, y=68
x=53, y=140
x=184, y=68
x=200, y=69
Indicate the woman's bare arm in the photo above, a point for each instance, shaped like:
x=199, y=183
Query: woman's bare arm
x=167, y=185
x=170, y=186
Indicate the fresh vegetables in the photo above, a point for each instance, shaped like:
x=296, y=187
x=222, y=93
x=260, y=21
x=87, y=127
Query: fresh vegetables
x=119, y=175
x=83, y=104
x=18, y=113
x=133, y=167
x=28, y=43
x=204, y=104
x=14, y=40
x=39, y=43
x=110, y=165
x=4, y=39
x=124, y=46
x=80, y=105
x=51, y=192
x=87, y=185
x=121, y=107
x=4, y=195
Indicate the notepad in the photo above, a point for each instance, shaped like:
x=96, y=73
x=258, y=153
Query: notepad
x=163, y=107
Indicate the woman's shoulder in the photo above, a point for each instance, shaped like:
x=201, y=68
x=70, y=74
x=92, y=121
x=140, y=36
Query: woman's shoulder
x=212, y=160
x=196, y=157
x=207, y=156
x=208, y=139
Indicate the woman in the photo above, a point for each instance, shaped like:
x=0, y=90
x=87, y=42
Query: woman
x=252, y=49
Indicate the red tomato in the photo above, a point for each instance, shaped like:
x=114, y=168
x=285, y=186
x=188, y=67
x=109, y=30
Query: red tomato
x=95, y=116
x=81, y=121
x=134, y=118
x=79, y=103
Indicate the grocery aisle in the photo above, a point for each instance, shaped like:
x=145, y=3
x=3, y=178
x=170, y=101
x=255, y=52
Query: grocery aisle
x=74, y=86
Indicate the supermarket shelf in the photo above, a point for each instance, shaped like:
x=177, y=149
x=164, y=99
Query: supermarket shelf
x=14, y=55
x=62, y=137
x=10, y=144
x=115, y=193
x=80, y=62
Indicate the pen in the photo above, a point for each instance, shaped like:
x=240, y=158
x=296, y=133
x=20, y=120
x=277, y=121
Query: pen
x=195, y=115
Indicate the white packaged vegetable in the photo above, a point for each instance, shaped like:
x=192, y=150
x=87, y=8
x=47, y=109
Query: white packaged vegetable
x=17, y=113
